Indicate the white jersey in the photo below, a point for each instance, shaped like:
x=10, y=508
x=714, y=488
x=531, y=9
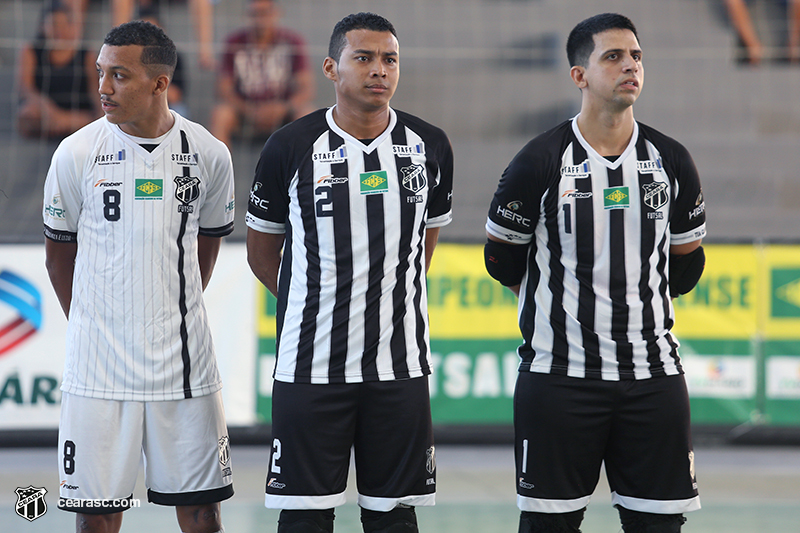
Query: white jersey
x=138, y=329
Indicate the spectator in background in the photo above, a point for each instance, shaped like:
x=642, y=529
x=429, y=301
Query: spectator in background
x=202, y=12
x=176, y=93
x=57, y=77
x=752, y=49
x=265, y=80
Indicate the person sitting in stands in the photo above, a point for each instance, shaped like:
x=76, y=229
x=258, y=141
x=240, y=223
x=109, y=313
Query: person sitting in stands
x=57, y=77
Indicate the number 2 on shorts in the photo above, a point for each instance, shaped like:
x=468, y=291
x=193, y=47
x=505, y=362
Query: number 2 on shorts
x=276, y=454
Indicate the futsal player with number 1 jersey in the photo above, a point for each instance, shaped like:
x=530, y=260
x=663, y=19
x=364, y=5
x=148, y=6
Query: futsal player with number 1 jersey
x=597, y=224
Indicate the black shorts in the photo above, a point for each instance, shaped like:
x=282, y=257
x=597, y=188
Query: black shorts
x=566, y=428
x=387, y=424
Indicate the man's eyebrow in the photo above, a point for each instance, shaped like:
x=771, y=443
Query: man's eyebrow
x=361, y=51
x=113, y=67
x=622, y=50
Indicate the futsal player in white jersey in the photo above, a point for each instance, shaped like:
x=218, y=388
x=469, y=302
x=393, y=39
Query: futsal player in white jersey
x=354, y=195
x=135, y=207
x=597, y=224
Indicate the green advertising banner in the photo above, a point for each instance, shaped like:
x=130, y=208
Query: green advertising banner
x=739, y=331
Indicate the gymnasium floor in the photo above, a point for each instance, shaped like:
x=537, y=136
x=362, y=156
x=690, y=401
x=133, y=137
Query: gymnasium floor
x=743, y=490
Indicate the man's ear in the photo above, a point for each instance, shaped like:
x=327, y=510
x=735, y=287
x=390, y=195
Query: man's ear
x=161, y=84
x=329, y=68
x=578, y=75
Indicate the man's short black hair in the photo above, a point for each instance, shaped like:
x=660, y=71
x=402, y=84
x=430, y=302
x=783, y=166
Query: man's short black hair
x=358, y=21
x=159, y=51
x=580, y=43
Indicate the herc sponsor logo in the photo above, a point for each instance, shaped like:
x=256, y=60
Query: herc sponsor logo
x=255, y=200
x=616, y=198
x=54, y=210
x=785, y=299
x=374, y=182
x=697, y=211
x=514, y=217
x=30, y=502
x=336, y=156
x=146, y=189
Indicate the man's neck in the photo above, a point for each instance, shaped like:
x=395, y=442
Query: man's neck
x=608, y=133
x=362, y=124
x=153, y=129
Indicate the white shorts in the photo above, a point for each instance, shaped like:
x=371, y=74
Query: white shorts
x=184, y=444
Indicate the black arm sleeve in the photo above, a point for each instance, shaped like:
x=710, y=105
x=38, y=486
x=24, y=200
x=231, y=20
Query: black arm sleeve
x=685, y=271
x=505, y=262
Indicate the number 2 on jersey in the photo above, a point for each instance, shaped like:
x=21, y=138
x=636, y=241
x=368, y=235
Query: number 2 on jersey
x=324, y=204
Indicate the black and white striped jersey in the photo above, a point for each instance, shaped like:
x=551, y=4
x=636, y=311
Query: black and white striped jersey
x=352, y=300
x=594, y=301
x=138, y=329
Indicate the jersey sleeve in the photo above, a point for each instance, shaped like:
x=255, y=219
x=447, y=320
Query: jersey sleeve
x=514, y=210
x=217, y=213
x=440, y=206
x=688, y=218
x=269, y=196
x=62, y=194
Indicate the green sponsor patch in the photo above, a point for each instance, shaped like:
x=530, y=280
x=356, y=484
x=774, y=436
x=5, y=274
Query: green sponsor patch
x=785, y=292
x=616, y=198
x=374, y=182
x=149, y=189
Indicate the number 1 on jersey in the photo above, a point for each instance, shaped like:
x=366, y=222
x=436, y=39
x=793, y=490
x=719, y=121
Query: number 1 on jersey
x=567, y=218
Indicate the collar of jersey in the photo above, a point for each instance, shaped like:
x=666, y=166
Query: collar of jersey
x=136, y=142
x=347, y=137
x=592, y=152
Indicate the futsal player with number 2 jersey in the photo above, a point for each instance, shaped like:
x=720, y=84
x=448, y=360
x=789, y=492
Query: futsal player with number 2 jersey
x=344, y=215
